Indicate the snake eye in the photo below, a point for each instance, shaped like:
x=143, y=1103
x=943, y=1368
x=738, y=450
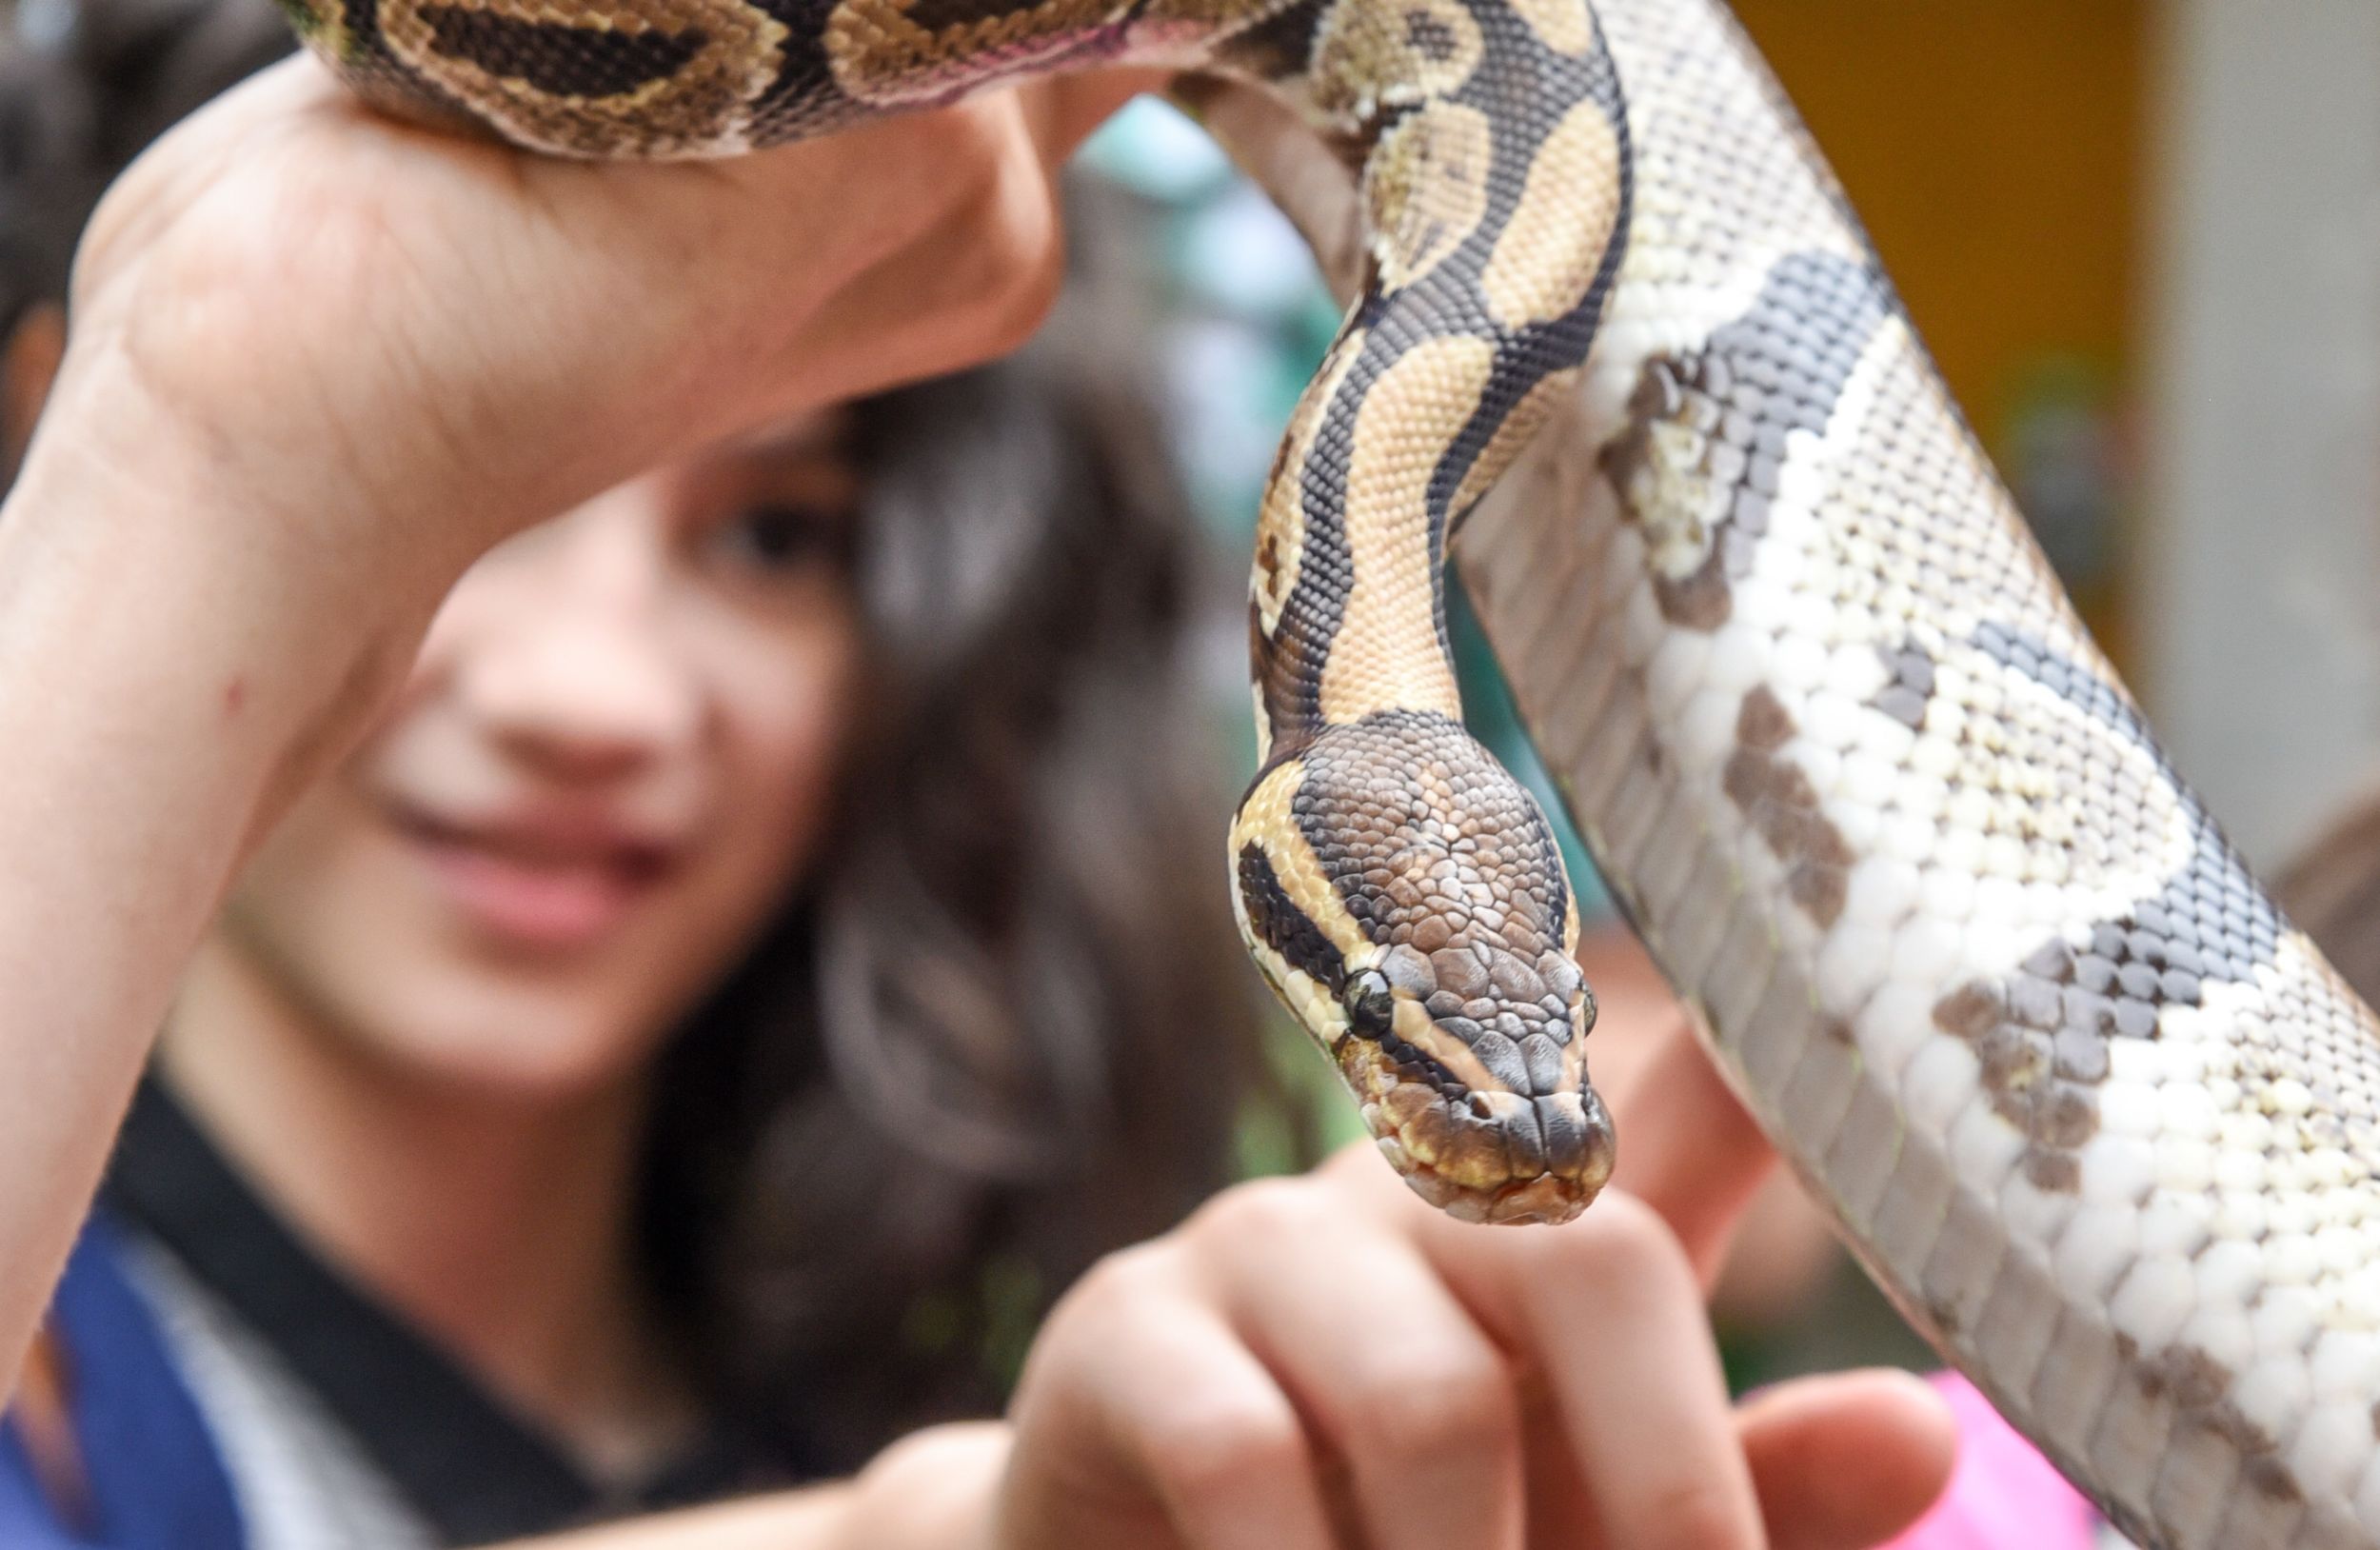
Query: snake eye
x=1370, y=1007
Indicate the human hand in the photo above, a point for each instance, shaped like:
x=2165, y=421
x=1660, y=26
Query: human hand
x=410, y=344
x=1323, y=1361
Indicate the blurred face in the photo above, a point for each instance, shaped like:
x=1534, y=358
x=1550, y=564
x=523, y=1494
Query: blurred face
x=608, y=771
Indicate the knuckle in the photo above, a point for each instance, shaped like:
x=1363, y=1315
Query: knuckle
x=1026, y=301
x=1623, y=1236
x=1001, y=232
x=966, y=143
x=1218, y=1442
x=1426, y=1410
x=1026, y=255
x=1115, y=1313
x=1113, y=1289
x=1269, y=1210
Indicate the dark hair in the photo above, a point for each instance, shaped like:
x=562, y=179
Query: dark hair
x=84, y=86
x=1006, y=1026
x=1036, y=1014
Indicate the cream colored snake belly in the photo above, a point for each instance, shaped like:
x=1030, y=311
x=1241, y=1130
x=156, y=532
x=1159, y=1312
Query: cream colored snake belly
x=2093, y=1112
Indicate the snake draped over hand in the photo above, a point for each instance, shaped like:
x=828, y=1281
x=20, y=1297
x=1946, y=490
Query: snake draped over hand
x=2101, y=1119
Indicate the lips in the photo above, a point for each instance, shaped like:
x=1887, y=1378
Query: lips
x=545, y=880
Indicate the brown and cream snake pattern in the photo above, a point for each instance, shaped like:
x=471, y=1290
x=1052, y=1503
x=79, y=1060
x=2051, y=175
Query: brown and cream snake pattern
x=2099, y=1117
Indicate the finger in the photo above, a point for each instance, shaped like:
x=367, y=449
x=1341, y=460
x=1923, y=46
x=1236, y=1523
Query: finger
x=1160, y=1428
x=1690, y=1150
x=970, y=289
x=898, y=324
x=1847, y=1461
x=1561, y=1513
x=1065, y=109
x=1411, y=1395
x=1627, y=1425
x=1612, y=1317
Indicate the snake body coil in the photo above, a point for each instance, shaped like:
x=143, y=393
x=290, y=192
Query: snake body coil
x=2099, y=1117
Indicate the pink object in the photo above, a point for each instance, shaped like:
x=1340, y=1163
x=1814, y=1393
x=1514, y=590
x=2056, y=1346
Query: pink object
x=2003, y=1495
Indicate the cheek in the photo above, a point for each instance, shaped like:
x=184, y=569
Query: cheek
x=331, y=912
x=784, y=731
x=334, y=909
x=316, y=855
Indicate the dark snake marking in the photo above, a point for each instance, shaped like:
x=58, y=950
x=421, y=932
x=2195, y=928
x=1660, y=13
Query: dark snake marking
x=1282, y=926
x=2041, y=1034
x=1527, y=355
x=1448, y=301
x=2209, y=921
x=596, y=63
x=1911, y=672
x=1775, y=797
x=1780, y=367
x=1276, y=47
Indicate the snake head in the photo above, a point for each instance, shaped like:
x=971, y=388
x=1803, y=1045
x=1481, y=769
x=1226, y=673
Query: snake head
x=1413, y=915
x=1429, y=948
x=1473, y=1063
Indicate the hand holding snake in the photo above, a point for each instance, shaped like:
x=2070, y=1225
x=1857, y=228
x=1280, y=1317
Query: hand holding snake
x=242, y=316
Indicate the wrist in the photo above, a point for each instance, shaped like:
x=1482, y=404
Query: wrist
x=170, y=605
x=135, y=433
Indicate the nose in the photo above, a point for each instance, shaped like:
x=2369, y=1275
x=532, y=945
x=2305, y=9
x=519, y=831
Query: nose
x=574, y=672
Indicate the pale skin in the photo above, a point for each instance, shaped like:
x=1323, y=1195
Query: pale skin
x=426, y=1011
x=320, y=367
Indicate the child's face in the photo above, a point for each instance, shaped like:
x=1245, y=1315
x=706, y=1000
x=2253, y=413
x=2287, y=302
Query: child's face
x=611, y=763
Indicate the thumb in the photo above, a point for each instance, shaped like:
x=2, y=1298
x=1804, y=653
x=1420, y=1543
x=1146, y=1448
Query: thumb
x=1847, y=1461
x=937, y=1487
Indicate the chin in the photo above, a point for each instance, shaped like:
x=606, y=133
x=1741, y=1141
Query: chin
x=505, y=1041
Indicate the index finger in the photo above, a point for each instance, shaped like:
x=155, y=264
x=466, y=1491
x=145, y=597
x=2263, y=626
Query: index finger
x=1687, y=1147
x=1605, y=1312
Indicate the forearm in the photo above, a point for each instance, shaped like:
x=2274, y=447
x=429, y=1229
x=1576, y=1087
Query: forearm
x=166, y=679
x=812, y=1520
x=938, y=1489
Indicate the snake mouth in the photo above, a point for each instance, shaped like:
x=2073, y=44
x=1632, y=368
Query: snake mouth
x=1486, y=1157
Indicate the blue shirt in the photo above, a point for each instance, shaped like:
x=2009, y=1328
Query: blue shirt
x=155, y=1480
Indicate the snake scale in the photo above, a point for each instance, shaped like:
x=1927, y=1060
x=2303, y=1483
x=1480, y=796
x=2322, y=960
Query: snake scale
x=2097, y=1116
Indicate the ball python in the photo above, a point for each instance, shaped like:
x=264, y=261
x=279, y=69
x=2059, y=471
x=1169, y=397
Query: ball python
x=2087, y=1105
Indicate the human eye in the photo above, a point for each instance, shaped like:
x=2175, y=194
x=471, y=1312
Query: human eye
x=781, y=537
